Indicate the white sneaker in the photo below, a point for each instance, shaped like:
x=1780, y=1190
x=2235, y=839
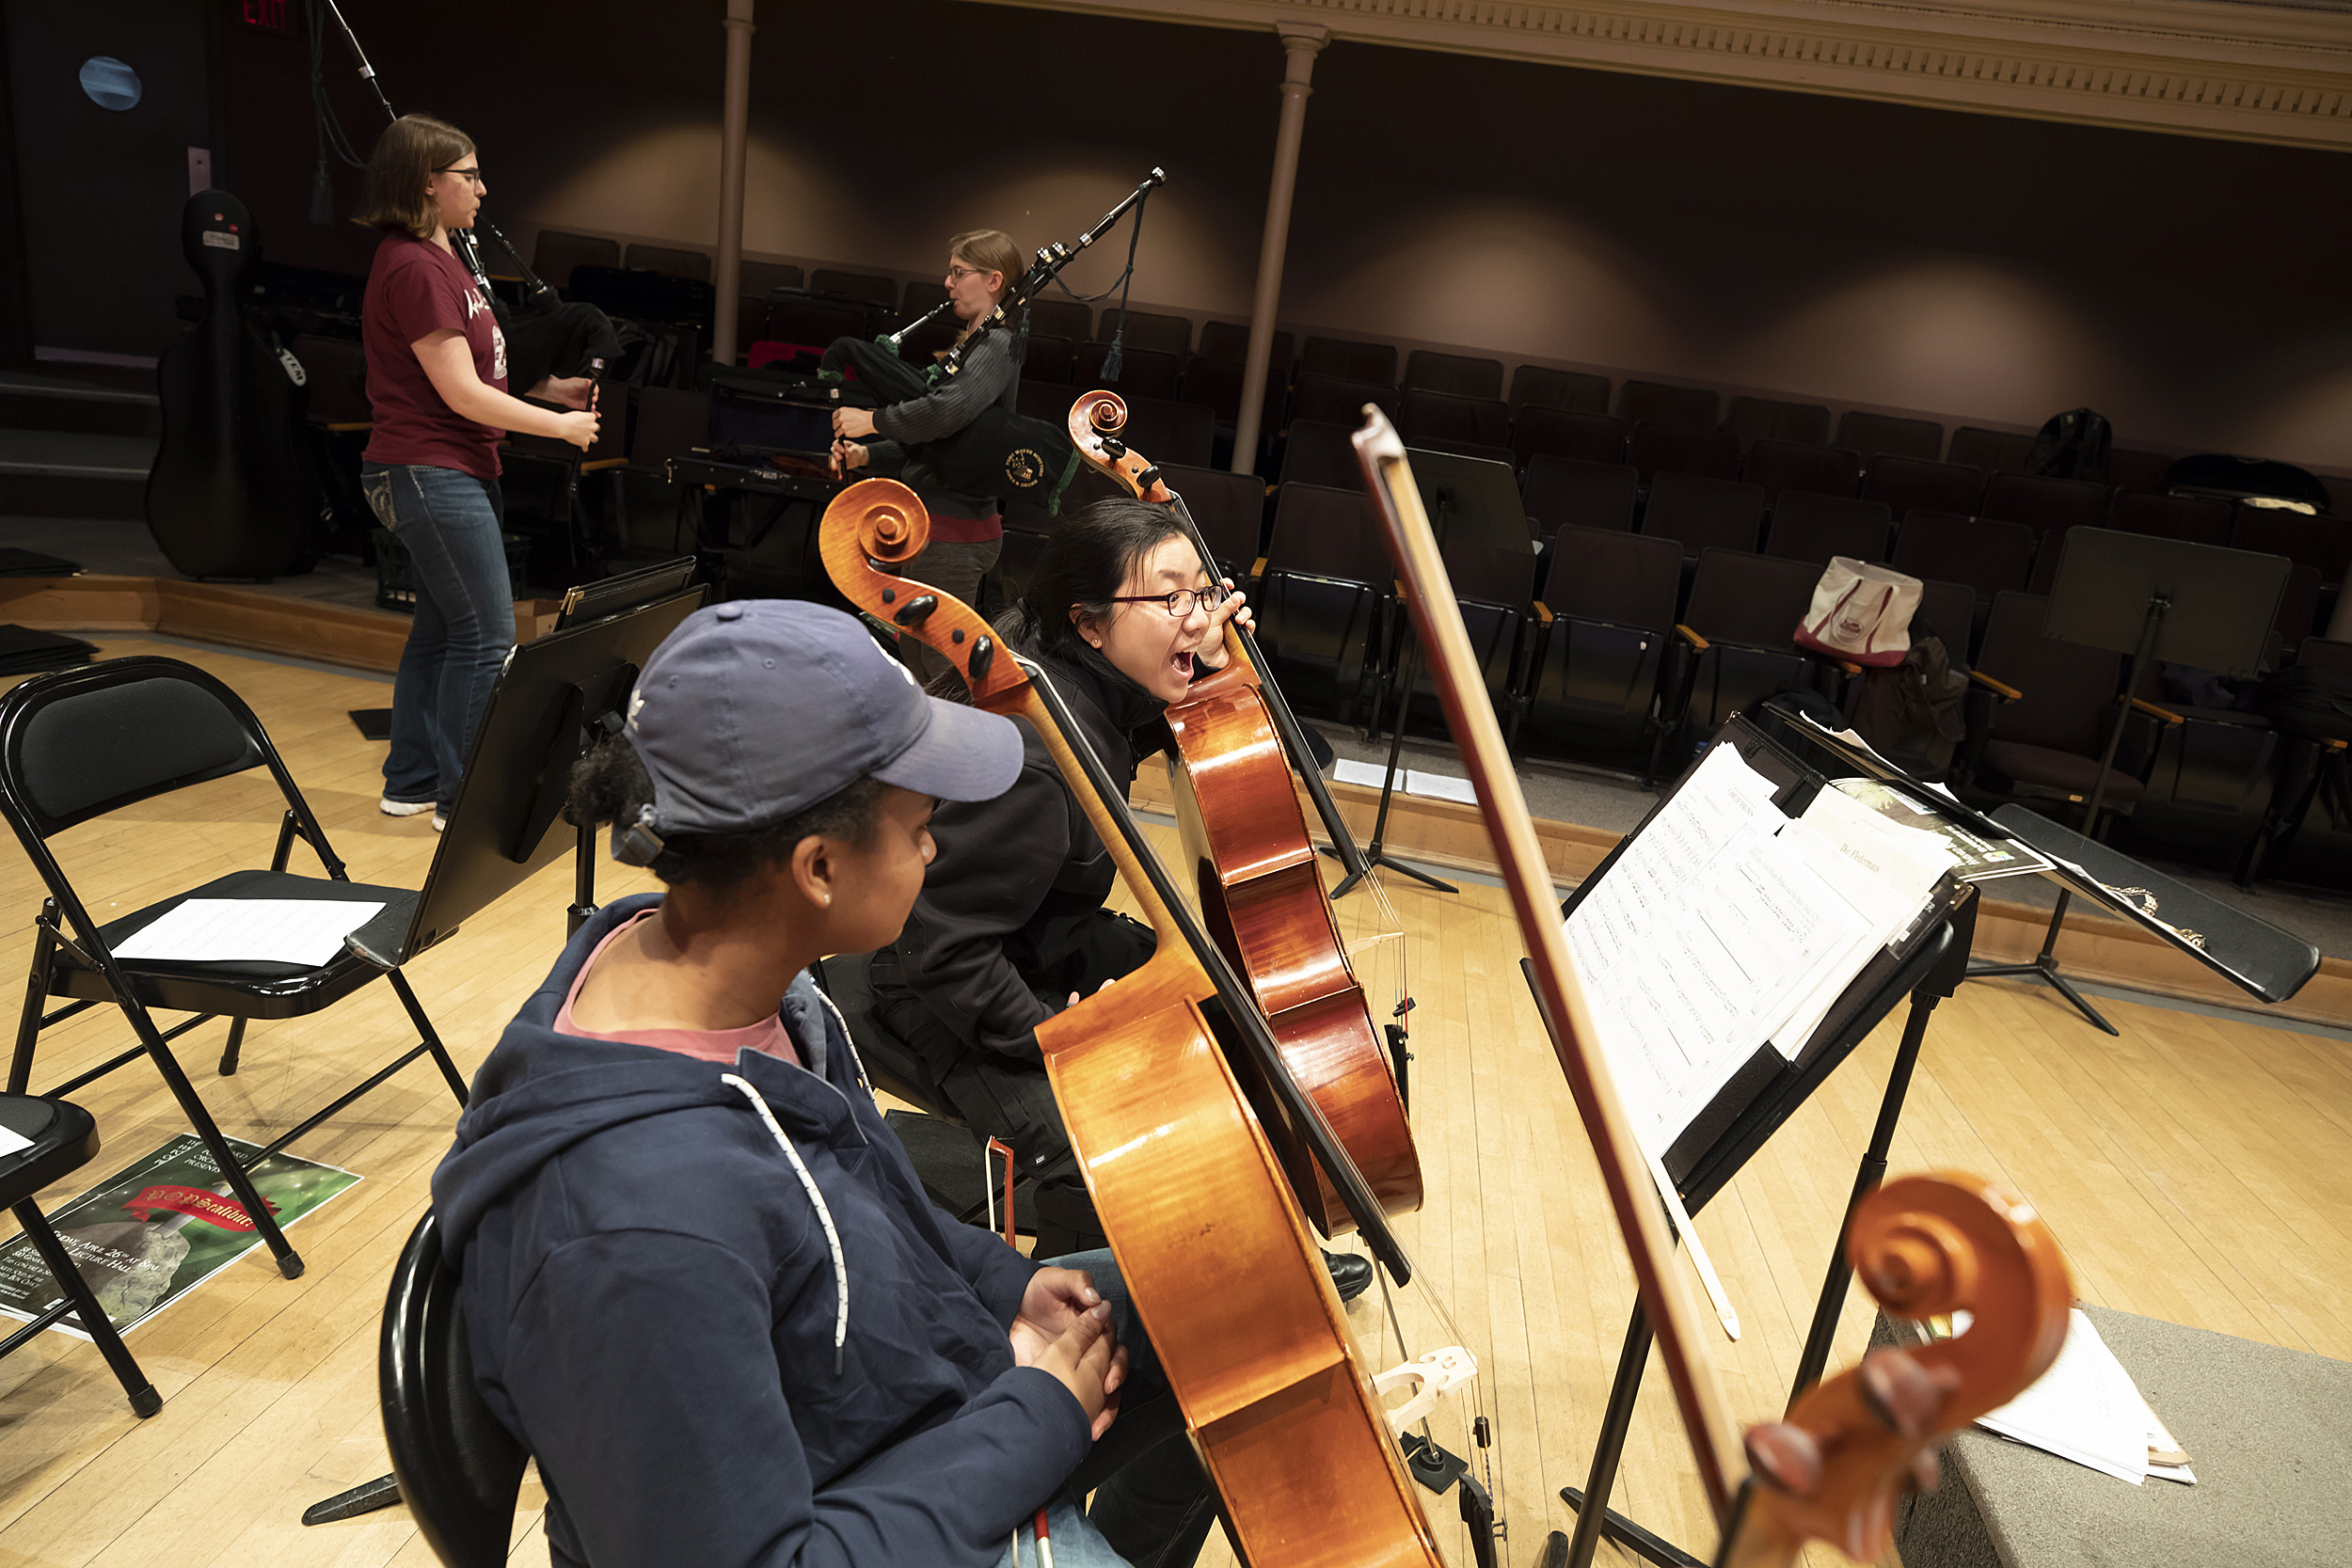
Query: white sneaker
x=391, y=807
x=439, y=822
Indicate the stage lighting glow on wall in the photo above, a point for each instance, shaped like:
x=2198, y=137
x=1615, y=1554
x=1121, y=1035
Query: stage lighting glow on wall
x=110, y=83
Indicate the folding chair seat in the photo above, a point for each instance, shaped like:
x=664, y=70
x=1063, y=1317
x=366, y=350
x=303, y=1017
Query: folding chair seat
x=79, y=744
x=1873, y=434
x=1331, y=400
x=1566, y=433
x=1818, y=470
x=1907, y=484
x=1321, y=598
x=1048, y=358
x=1321, y=454
x=1167, y=431
x=1143, y=373
x=1227, y=343
x=1459, y=374
x=2044, y=504
x=1229, y=508
x=1994, y=450
x=1565, y=492
x=1426, y=416
x=1765, y=420
x=1669, y=449
x=867, y=288
x=670, y=262
x=1740, y=633
x=1671, y=407
x=763, y=279
x=1572, y=391
x=2323, y=542
x=1346, y=360
x=1701, y=513
x=554, y=254
x=1602, y=644
x=1815, y=528
x=1064, y=318
x=61, y=1139
x=2142, y=472
x=2043, y=743
x=1170, y=335
x=2199, y=519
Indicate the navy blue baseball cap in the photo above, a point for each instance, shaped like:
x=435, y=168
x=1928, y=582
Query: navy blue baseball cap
x=757, y=709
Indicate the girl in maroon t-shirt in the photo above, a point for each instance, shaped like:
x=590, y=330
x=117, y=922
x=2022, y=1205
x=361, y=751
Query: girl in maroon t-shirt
x=437, y=378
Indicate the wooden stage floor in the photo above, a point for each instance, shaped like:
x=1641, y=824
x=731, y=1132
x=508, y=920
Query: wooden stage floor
x=2198, y=1170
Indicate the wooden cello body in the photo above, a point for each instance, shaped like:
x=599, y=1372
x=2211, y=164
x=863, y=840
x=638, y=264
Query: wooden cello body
x=1260, y=884
x=1212, y=1248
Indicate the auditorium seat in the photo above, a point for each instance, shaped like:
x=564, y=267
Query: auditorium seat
x=2141, y=471
x=2338, y=495
x=2049, y=549
x=1656, y=448
x=1044, y=399
x=1320, y=599
x=1909, y=483
x=554, y=254
x=1541, y=387
x=1994, y=450
x=2298, y=613
x=1424, y=416
x=1565, y=432
x=1334, y=400
x=2042, y=503
x=2208, y=773
x=1701, y=513
x=1064, y=318
x=1426, y=371
x=1318, y=451
x=814, y=323
x=1777, y=465
x=1215, y=385
x=867, y=288
x=2199, y=519
x=1143, y=373
x=1990, y=557
x=1872, y=434
x=1766, y=420
x=669, y=263
x=2321, y=542
x=1344, y=359
x=1163, y=334
x=1815, y=528
x=1166, y=431
x=2046, y=744
x=1669, y=407
x=1568, y=492
x=1949, y=610
x=1740, y=640
x=916, y=298
x=1229, y=508
x=1593, y=668
x=1226, y=341
x=1494, y=590
x=1048, y=359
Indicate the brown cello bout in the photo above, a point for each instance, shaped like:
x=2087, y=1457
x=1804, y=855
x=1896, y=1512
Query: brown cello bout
x=1925, y=1245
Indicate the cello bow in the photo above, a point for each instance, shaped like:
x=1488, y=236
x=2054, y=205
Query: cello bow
x=1922, y=1244
x=1095, y=420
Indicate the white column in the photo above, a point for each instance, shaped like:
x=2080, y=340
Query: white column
x=726, y=275
x=1301, y=43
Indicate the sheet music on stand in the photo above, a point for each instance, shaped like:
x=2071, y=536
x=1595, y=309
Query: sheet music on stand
x=1727, y=926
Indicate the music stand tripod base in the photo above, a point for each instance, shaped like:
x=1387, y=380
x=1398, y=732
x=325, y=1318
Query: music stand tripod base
x=2043, y=966
x=1375, y=852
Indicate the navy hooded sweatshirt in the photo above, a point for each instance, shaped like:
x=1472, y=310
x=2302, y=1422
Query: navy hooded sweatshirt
x=656, y=1304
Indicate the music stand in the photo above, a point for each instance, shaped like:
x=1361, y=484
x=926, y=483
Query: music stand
x=1471, y=501
x=593, y=601
x=2148, y=598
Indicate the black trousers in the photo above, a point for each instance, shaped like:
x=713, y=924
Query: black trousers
x=1002, y=1097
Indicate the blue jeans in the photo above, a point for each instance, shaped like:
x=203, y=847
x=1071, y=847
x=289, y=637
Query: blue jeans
x=1151, y=1505
x=450, y=524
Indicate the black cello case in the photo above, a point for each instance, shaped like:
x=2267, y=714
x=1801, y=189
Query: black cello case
x=233, y=493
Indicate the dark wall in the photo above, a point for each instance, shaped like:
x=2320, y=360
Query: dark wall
x=1962, y=265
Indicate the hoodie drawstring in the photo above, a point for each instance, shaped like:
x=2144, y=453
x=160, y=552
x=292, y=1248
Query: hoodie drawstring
x=824, y=1214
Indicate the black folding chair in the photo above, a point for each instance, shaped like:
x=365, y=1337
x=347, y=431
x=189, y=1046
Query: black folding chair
x=458, y=1470
x=64, y=1139
x=82, y=743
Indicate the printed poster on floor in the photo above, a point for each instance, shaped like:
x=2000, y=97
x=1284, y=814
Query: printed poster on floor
x=159, y=1229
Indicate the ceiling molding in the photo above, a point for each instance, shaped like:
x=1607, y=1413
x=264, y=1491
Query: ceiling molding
x=2243, y=72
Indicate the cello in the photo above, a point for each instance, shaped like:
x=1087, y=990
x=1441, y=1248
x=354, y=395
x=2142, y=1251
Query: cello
x=1923, y=1246
x=1261, y=889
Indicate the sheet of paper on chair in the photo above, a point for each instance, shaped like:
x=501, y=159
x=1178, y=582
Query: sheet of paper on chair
x=250, y=930
x=12, y=1142
x=2084, y=1408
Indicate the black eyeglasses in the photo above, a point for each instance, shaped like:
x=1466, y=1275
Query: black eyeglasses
x=474, y=174
x=1179, y=603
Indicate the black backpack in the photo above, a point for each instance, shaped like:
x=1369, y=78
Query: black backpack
x=2073, y=445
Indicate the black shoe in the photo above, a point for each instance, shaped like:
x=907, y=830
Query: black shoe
x=1351, y=1276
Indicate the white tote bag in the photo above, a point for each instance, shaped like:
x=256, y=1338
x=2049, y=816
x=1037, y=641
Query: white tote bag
x=1861, y=612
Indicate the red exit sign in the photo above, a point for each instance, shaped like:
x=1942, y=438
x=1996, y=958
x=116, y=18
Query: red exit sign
x=268, y=15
